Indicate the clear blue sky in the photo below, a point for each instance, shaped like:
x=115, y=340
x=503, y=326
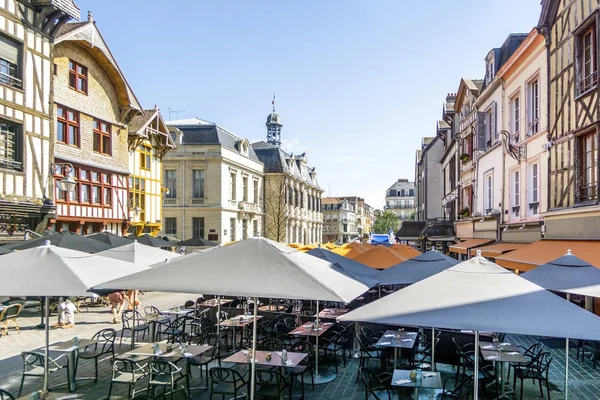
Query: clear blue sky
x=358, y=83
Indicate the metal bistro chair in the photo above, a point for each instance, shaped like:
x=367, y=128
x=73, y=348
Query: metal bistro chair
x=270, y=344
x=6, y=395
x=165, y=374
x=305, y=366
x=172, y=330
x=227, y=381
x=367, y=350
x=378, y=386
x=33, y=366
x=271, y=384
x=105, y=345
x=536, y=369
x=140, y=326
x=127, y=372
x=531, y=352
x=203, y=360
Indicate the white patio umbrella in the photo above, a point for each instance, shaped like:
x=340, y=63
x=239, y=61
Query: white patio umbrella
x=51, y=271
x=252, y=268
x=139, y=254
x=481, y=296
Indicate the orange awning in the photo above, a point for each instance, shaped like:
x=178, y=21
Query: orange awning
x=348, y=252
x=543, y=251
x=380, y=257
x=497, y=249
x=405, y=251
x=462, y=247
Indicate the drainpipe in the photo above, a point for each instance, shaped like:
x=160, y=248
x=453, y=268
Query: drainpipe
x=502, y=202
x=183, y=187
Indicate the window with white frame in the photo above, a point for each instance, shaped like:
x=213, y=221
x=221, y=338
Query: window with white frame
x=534, y=189
x=232, y=186
x=515, y=115
x=488, y=192
x=533, y=107
x=515, y=194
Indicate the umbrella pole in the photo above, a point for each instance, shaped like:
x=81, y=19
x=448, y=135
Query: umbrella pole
x=133, y=330
x=219, y=324
x=252, y=361
x=566, y=368
x=476, y=373
x=432, y=348
x=47, y=328
x=317, y=345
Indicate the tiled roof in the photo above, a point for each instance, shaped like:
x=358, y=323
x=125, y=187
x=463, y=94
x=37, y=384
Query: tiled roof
x=69, y=27
x=67, y=6
x=330, y=200
x=140, y=120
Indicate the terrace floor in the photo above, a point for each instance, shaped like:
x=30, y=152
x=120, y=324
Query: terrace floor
x=584, y=382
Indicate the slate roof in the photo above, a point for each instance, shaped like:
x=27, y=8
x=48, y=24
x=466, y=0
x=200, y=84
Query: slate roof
x=66, y=28
x=140, y=120
x=200, y=132
x=278, y=161
x=503, y=53
x=68, y=6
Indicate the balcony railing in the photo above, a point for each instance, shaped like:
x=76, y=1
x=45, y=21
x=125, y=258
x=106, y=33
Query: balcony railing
x=249, y=207
x=197, y=202
x=10, y=164
x=584, y=84
x=10, y=80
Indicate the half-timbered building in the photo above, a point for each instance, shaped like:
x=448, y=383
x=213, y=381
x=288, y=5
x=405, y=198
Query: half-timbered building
x=149, y=141
x=27, y=28
x=571, y=29
x=93, y=107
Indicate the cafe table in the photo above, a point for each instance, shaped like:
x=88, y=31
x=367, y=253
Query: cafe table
x=215, y=302
x=399, y=339
x=260, y=358
x=502, y=353
x=72, y=352
x=429, y=380
x=332, y=313
x=309, y=329
x=273, y=307
x=56, y=396
x=177, y=311
x=146, y=351
x=152, y=320
x=239, y=321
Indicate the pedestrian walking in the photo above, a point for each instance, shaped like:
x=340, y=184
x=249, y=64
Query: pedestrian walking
x=66, y=314
x=117, y=302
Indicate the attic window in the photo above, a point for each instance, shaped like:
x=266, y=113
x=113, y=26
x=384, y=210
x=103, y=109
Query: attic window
x=245, y=148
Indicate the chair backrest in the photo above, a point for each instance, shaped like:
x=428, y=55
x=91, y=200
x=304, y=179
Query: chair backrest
x=281, y=329
x=543, y=363
x=158, y=367
x=304, y=346
x=200, y=299
x=189, y=304
x=270, y=344
x=289, y=308
x=224, y=375
x=151, y=310
x=32, y=359
x=290, y=323
x=6, y=395
x=269, y=377
x=223, y=316
x=178, y=323
x=368, y=332
x=106, y=340
x=12, y=311
x=373, y=385
x=127, y=318
x=534, y=350
x=124, y=366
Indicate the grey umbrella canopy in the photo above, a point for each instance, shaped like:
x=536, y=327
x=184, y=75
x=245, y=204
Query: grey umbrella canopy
x=351, y=267
x=480, y=295
x=5, y=250
x=416, y=269
x=110, y=239
x=253, y=267
x=139, y=254
x=196, y=242
x=64, y=240
x=153, y=241
x=568, y=274
x=53, y=271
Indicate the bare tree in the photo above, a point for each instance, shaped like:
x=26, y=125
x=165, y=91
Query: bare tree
x=276, y=207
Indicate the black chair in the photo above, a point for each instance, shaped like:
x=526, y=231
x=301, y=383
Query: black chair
x=203, y=360
x=270, y=344
x=367, y=350
x=376, y=385
x=531, y=352
x=458, y=389
x=165, y=374
x=105, y=344
x=227, y=382
x=422, y=354
x=140, y=326
x=6, y=395
x=33, y=366
x=305, y=366
x=336, y=346
x=462, y=350
x=486, y=373
x=592, y=350
x=270, y=384
x=172, y=330
x=536, y=369
x=127, y=372
x=189, y=304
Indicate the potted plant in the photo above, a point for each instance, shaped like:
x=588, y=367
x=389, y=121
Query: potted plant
x=464, y=212
x=465, y=157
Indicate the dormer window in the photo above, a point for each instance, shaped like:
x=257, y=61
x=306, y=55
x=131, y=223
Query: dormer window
x=489, y=71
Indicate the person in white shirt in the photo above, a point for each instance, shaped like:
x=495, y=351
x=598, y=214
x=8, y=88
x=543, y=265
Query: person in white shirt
x=66, y=314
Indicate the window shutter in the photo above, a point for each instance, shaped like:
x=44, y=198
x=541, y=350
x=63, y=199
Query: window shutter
x=481, y=131
x=9, y=50
x=493, y=128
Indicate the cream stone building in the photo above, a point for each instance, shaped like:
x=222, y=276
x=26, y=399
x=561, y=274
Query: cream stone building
x=292, y=192
x=525, y=123
x=27, y=30
x=340, y=220
x=213, y=184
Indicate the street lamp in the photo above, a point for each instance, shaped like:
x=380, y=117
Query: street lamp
x=447, y=210
x=67, y=183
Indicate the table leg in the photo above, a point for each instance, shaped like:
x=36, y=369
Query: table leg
x=72, y=371
x=502, y=379
x=416, y=394
x=395, y=358
x=234, y=336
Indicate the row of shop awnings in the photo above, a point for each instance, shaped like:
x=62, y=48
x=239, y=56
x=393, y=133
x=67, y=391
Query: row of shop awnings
x=524, y=257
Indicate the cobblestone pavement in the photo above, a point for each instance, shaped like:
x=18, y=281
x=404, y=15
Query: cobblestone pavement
x=584, y=381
